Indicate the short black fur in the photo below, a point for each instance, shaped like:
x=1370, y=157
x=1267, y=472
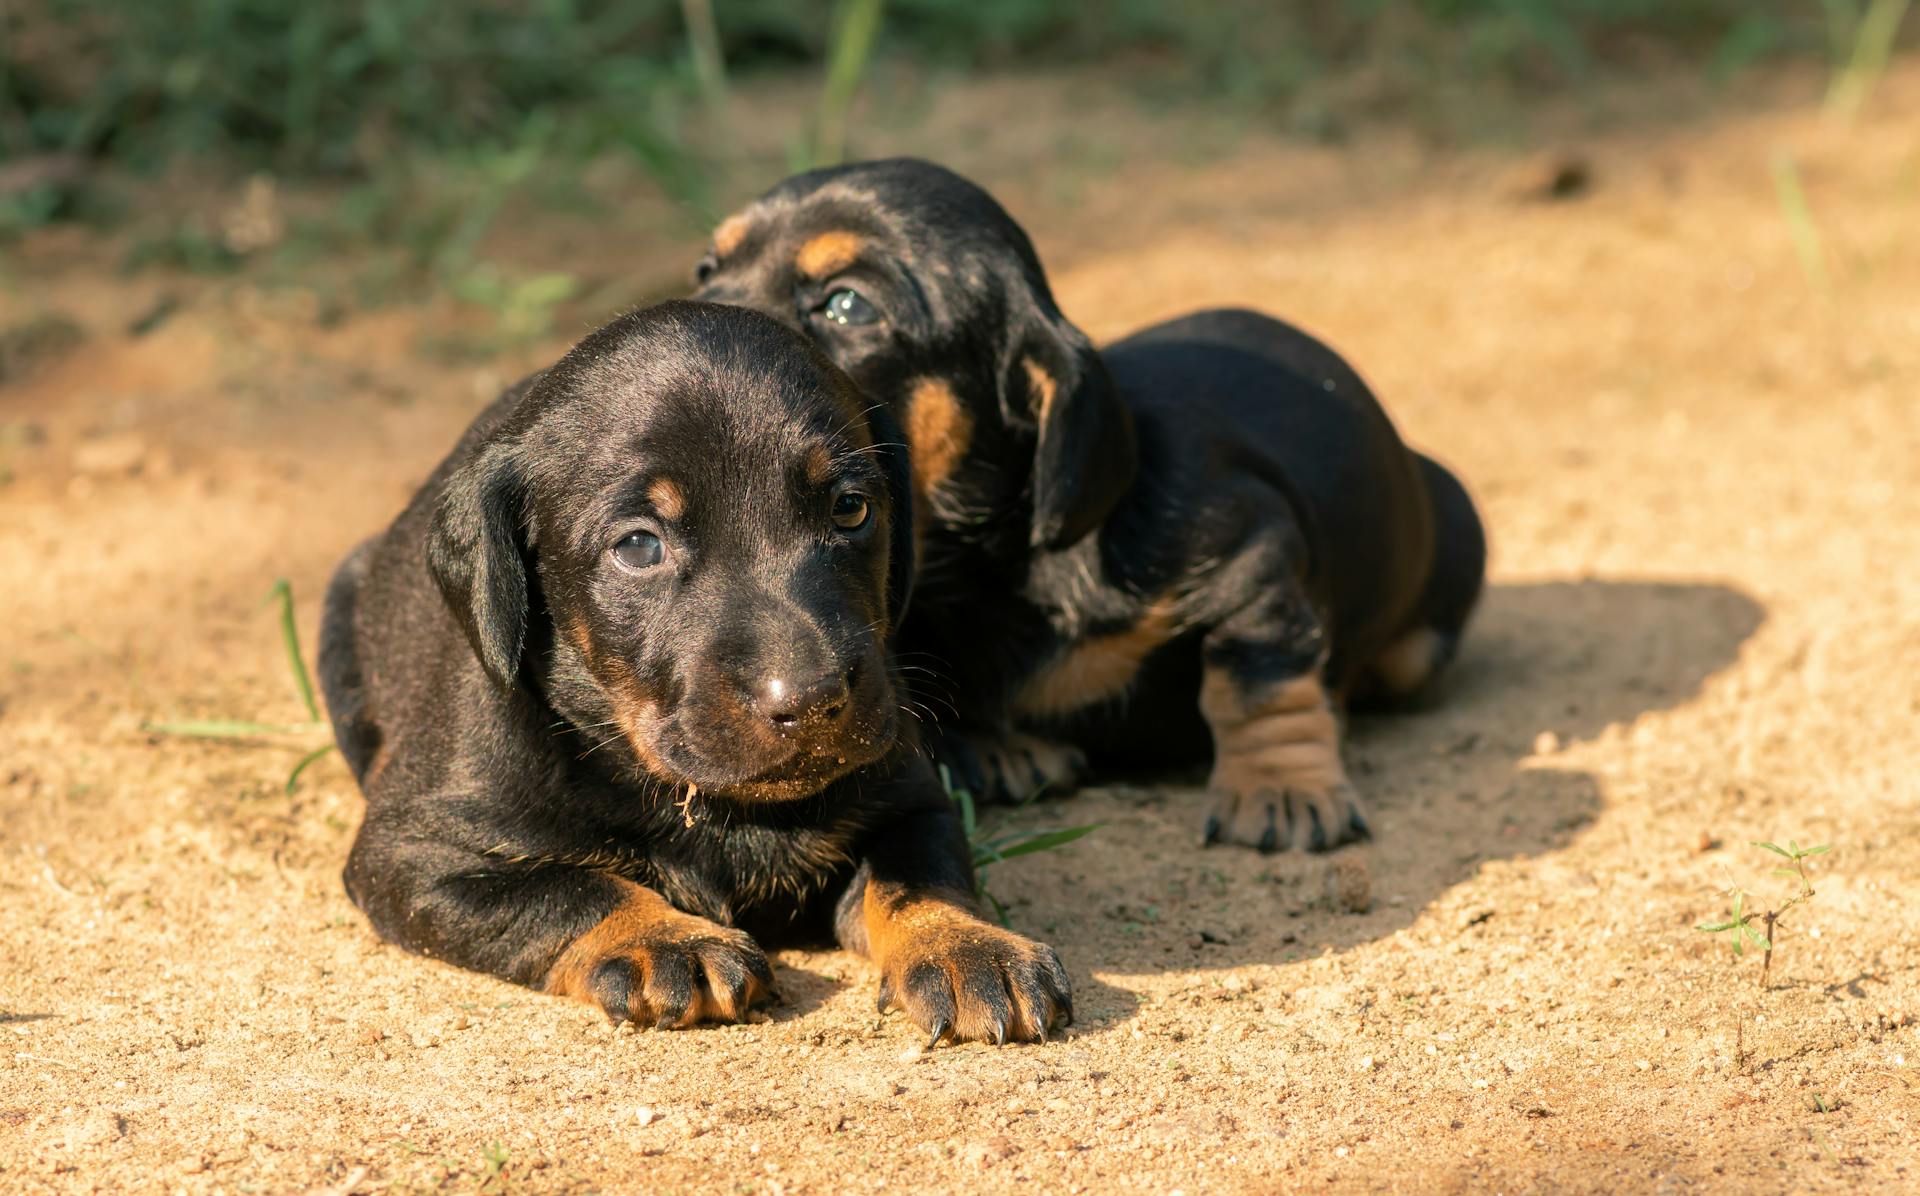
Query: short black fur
x=1217, y=500
x=618, y=781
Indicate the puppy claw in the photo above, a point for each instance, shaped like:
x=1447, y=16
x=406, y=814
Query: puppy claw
x=1271, y=820
x=665, y=970
x=971, y=980
x=1014, y=767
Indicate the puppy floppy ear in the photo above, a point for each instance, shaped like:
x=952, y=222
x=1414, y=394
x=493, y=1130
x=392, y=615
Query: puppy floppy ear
x=902, y=544
x=1086, y=454
x=476, y=553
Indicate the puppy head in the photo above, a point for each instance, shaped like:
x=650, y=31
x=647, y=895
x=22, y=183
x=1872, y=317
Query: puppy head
x=715, y=525
x=922, y=287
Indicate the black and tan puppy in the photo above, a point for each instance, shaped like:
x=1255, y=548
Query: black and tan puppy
x=1206, y=537
x=616, y=685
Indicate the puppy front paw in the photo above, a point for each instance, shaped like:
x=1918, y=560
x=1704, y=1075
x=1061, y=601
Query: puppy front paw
x=962, y=979
x=1279, y=818
x=659, y=967
x=1010, y=766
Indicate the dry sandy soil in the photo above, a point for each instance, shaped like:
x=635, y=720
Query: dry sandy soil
x=1698, y=459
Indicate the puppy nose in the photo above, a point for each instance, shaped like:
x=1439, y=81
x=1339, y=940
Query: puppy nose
x=789, y=704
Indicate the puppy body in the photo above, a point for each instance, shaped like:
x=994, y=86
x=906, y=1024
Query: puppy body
x=1215, y=508
x=616, y=687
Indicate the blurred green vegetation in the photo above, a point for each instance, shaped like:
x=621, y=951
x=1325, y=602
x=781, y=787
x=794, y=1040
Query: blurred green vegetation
x=422, y=122
x=335, y=87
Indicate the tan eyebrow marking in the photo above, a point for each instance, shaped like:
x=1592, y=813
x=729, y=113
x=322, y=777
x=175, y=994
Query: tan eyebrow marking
x=819, y=465
x=1044, y=387
x=939, y=431
x=667, y=498
x=728, y=234
x=829, y=251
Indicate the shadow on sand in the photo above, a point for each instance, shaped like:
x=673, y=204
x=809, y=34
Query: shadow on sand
x=1450, y=788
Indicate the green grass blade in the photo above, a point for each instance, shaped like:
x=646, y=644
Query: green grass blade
x=855, y=30
x=290, y=636
x=703, y=44
x=228, y=728
x=1776, y=849
x=1716, y=927
x=1820, y=850
x=1048, y=840
x=1874, y=35
x=999, y=911
x=293, y=778
x=1806, y=243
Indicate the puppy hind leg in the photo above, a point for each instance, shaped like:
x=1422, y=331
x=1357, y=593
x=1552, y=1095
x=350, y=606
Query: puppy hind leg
x=1412, y=660
x=1278, y=781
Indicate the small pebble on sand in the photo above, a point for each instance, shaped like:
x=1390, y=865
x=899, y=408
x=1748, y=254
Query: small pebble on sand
x=1349, y=885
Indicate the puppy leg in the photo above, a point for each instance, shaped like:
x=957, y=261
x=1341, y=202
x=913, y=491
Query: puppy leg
x=576, y=932
x=1277, y=779
x=911, y=910
x=1008, y=766
x=647, y=962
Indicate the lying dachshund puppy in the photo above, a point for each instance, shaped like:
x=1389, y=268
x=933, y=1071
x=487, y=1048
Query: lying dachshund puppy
x=617, y=689
x=1206, y=536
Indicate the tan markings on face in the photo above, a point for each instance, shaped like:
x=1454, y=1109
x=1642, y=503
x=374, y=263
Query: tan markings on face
x=1282, y=739
x=819, y=465
x=634, y=712
x=828, y=252
x=667, y=498
x=1045, y=388
x=730, y=232
x=1096, y=669
x=939, y=431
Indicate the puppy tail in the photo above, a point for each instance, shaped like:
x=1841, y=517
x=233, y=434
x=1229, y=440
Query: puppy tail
x=339, y=665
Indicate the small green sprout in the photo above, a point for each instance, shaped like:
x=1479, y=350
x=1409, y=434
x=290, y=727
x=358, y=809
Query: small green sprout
x=1739, y=925
x=992, y=850
x=230, y=728
x=496, y=1155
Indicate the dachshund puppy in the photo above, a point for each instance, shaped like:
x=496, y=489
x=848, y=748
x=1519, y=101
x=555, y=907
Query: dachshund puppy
x=1207, y=538
x=616, y=685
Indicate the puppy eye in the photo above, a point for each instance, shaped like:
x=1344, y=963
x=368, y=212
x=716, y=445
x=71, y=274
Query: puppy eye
x=847, y=306
x=851, y=511
x=641, y=550
x=705, y=267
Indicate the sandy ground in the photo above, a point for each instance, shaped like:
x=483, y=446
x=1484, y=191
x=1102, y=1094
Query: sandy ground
x=1699, y=464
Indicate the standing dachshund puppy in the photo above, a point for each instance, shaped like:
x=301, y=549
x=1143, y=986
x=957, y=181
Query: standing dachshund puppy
x=1207, y=535
x=617, y=688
